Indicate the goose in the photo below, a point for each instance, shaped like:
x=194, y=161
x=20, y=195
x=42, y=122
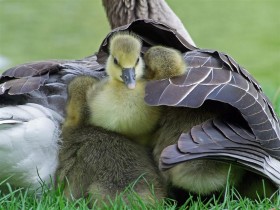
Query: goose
x=99, y=163
x=33, y=98
x=121, y=13
x=211, y=76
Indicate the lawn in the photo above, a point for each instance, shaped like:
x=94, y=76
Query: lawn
x=53, y=199
x=248, y=30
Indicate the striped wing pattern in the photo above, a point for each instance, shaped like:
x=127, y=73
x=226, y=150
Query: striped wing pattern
x=211, y=78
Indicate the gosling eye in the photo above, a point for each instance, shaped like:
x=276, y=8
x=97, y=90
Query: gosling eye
x=137, y=61
x=124, y=78
x=116, y=61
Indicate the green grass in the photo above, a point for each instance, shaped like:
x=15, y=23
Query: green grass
x=53, y=199
x=248, y=30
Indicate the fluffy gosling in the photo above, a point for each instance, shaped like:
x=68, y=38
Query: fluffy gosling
x=118, y=103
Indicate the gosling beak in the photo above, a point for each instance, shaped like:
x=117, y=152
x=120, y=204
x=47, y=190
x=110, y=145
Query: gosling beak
x=128, y=76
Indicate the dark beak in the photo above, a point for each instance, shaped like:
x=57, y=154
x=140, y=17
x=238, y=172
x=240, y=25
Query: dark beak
x=128, y=76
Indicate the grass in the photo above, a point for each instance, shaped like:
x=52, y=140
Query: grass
x=53, y=199
x=248, y=30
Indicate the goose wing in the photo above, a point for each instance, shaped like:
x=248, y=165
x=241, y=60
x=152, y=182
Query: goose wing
x=216, y=76
x=45, y=82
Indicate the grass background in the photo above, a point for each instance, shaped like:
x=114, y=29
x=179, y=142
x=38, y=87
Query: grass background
x=248, y=30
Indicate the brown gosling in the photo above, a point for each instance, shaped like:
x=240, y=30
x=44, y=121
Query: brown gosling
x=99, y=163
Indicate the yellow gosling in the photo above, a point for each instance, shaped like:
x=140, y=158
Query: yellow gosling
x=163, y=62
x=117, y=104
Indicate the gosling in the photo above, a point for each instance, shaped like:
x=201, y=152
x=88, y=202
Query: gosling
x=163, y=62
x=118, y=103
x=97, y=163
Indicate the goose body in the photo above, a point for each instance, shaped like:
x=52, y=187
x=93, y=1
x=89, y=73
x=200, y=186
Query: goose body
x=163, y=63
x=118, y=108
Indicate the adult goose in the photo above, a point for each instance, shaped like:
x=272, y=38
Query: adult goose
x=248, y=134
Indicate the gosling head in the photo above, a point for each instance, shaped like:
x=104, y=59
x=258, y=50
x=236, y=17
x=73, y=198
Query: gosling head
x=125, y=63
x=163, y=62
